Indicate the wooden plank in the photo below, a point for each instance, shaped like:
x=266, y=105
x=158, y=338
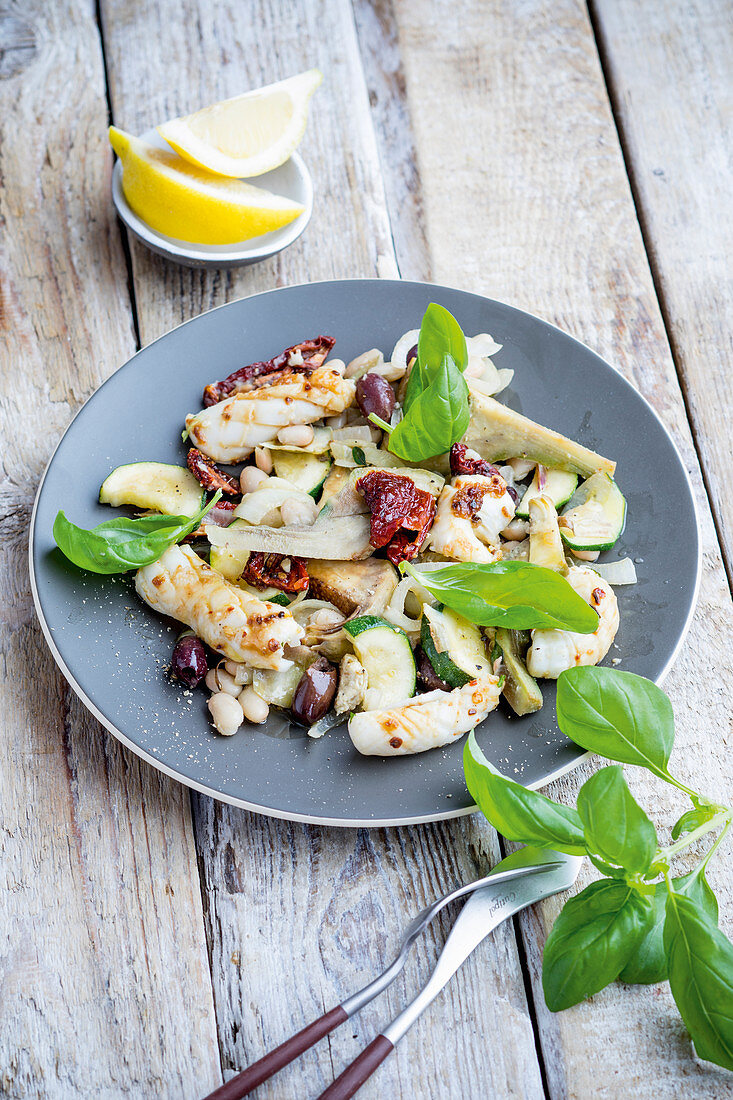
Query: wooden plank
x=300, y=917
x=104, y=984
x=526, y=199
x=669, y=73
x=235, y=47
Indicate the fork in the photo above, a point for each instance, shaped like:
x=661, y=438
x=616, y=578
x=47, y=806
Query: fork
x=303, y=1040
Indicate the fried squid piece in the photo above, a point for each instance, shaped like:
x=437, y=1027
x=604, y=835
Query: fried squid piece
x=209, y=475
x=235, y=624
x=552, y=651
x=306, y=356
x=471, y=513
x=230, y=430
x=268, y=571
x=425, y=722
x=402, y=514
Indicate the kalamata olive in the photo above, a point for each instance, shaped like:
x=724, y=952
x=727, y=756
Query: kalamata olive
x=189, y=662
x=513, y=493
x=426, y=674
x=412, y=354
x=315, y=691
x=375, y=395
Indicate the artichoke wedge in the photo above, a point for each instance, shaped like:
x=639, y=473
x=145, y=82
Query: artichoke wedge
x=498, y=433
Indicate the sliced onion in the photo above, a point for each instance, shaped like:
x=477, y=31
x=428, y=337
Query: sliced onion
x=616, y=572
x=323, y=725
x=492, y=381
x=354, y=434
x=401, y=348
x=305, y=608
x=396, y=613
x=482, y=345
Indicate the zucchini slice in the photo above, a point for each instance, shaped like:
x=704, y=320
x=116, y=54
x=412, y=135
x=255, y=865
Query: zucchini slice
x=305, y=471
x=453, y=645
x=386, y=654
x=170, y=490
x=595, y=515
x=545, y=545
x=559, y=487
x=521, y=690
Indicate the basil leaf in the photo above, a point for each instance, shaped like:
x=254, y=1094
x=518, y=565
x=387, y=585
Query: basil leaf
x=517, y=813
x=619, y=715
x=591, y=941
x=700, y=962
x=648, y=964
x=440, y=335
x=436, y=408
x=436, y=418
x=122, y=544
x=525, y=857
x=513, y=594
x=615, y=826
x=693, y=819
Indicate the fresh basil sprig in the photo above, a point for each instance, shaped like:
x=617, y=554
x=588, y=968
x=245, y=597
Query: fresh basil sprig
x=436, y=408
x=624, y=926
x=513, y=594
x=122, y=543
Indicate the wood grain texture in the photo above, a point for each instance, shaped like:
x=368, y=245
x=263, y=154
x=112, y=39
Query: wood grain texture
x=526, y=199
x=206, y=52
x=669, y=73
x=300, y=917
x=100, y=916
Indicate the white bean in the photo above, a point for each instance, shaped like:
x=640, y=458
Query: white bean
x=336, y=364
x=298, y=512
x=253, y=706
x=296, y=435
x=263, y=460
x=363, y=363
x=218, y=679
x=241, y=673
x=251, y=478
x=586, y=555
x=226, y=712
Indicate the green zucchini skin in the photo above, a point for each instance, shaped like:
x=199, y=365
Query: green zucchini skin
x=385, y=652
x=596, y=513
x=170, y=490
x=465, y=654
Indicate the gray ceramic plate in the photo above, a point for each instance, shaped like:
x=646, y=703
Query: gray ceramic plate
x=114, y=650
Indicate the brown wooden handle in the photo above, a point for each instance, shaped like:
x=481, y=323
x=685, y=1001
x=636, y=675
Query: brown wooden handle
x=350, y=1081
x=281, y=1056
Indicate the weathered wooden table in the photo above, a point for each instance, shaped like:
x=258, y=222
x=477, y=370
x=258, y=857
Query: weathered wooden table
x=571, y=163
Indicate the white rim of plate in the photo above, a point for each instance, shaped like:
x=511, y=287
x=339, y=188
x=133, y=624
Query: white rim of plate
x=268, y=811
x=258, y=248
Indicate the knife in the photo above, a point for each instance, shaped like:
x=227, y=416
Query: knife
x=483, y=912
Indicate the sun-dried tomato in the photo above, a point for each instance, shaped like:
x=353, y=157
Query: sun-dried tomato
x=312, y=352
x=402, y=514
x=267, y=571
x=461, y=464
x=205, y=470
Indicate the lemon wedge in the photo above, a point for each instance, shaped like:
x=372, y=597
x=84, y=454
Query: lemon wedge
x=247, y=135
x=182, y=201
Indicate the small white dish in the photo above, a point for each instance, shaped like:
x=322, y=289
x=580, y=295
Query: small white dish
x=292, y=179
